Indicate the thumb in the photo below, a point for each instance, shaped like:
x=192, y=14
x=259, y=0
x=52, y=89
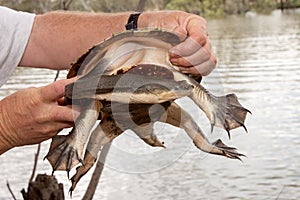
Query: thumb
x=55, y=90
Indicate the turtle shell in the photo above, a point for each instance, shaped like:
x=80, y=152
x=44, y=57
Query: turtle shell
x=141, y=53
x=108, y=57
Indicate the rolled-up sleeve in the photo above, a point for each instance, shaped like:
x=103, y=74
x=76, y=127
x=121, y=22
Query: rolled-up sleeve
x=15, y=29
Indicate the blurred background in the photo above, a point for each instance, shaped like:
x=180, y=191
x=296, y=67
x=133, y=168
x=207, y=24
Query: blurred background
x=257, y=43
x=207, y=8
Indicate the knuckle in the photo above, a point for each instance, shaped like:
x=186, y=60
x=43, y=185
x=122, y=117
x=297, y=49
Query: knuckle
x=214, y=60
x=46, y=130
x=202, y=38
x=40, y=117
x=203, y=20
x=55, y=114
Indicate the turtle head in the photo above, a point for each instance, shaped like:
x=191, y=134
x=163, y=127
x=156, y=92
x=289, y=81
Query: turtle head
x=170, y=90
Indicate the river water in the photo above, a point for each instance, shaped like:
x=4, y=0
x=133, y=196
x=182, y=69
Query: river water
x=259, y=60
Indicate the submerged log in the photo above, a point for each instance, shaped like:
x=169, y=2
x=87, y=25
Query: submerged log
x=44, y=187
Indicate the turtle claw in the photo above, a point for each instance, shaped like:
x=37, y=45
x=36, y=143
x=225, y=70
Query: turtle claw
x=225, y=111
x=63, y=155
x=229, y=152
x=228, y=113
x=66, y=151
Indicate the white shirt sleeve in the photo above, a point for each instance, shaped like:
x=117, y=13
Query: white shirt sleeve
x=15, y=29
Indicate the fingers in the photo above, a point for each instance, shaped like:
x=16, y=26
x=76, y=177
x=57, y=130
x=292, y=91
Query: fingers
x=52, y=108
x=202, y=69
x=56, y=90
x=200, y=62
x=64, y=113
x=194, y=55
x=197, y=34
x=200, y=56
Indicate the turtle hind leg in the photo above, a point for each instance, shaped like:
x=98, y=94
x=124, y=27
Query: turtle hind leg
x=105, y=132
x=180, y=118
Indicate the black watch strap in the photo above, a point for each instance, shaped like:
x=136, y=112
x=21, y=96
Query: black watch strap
x=132, y=21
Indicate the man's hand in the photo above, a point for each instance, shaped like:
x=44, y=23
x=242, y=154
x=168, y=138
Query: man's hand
x=33, y=115
x=194, y=54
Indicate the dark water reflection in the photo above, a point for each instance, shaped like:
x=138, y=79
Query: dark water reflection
x=259, y=60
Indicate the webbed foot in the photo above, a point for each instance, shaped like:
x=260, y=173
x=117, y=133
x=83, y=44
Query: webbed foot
x=63, y=153
x=67, y=151
x=228, y=113
x=225, y=112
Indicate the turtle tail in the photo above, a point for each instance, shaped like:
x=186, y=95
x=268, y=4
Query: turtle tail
x=225, y=111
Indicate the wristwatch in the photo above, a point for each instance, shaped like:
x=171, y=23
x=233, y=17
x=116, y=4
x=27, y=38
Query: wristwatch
x=132, y=21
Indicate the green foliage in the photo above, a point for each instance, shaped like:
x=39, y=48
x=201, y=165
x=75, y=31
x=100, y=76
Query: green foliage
x=113, y=6
x=41, y=6
x=207, y=8
x=213, y=8
x=262, y=6
x=192, y=6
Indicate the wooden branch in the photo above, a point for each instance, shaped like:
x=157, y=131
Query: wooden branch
x=66, y=4
x=89, y=193
x=12, y=194
x=35, y=163
x=141, y=5
x=56, y=76
x=86, y=6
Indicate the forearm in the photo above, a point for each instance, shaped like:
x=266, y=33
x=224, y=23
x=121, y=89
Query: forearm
x=59, y=38
x=4, y=134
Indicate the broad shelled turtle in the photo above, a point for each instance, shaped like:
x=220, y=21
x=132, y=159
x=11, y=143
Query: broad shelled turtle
x=125, y=82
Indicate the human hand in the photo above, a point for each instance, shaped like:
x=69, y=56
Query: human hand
x=33, y=115
x=193, y=55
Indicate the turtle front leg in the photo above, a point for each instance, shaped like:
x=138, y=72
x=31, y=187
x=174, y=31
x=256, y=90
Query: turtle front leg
x=105, y=132
x=224, y=111
x=180, y=118
x=66, y=151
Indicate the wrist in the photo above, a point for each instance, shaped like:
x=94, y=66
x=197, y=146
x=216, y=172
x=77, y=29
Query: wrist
x=143, y=20
x=4, y=143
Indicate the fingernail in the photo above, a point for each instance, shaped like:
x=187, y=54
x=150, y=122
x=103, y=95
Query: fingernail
x=174, y=61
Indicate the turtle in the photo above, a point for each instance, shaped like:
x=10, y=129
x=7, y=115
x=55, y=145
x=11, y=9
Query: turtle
x=128, y=82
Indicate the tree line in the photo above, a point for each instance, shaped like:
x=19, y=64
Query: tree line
x=207, y=8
